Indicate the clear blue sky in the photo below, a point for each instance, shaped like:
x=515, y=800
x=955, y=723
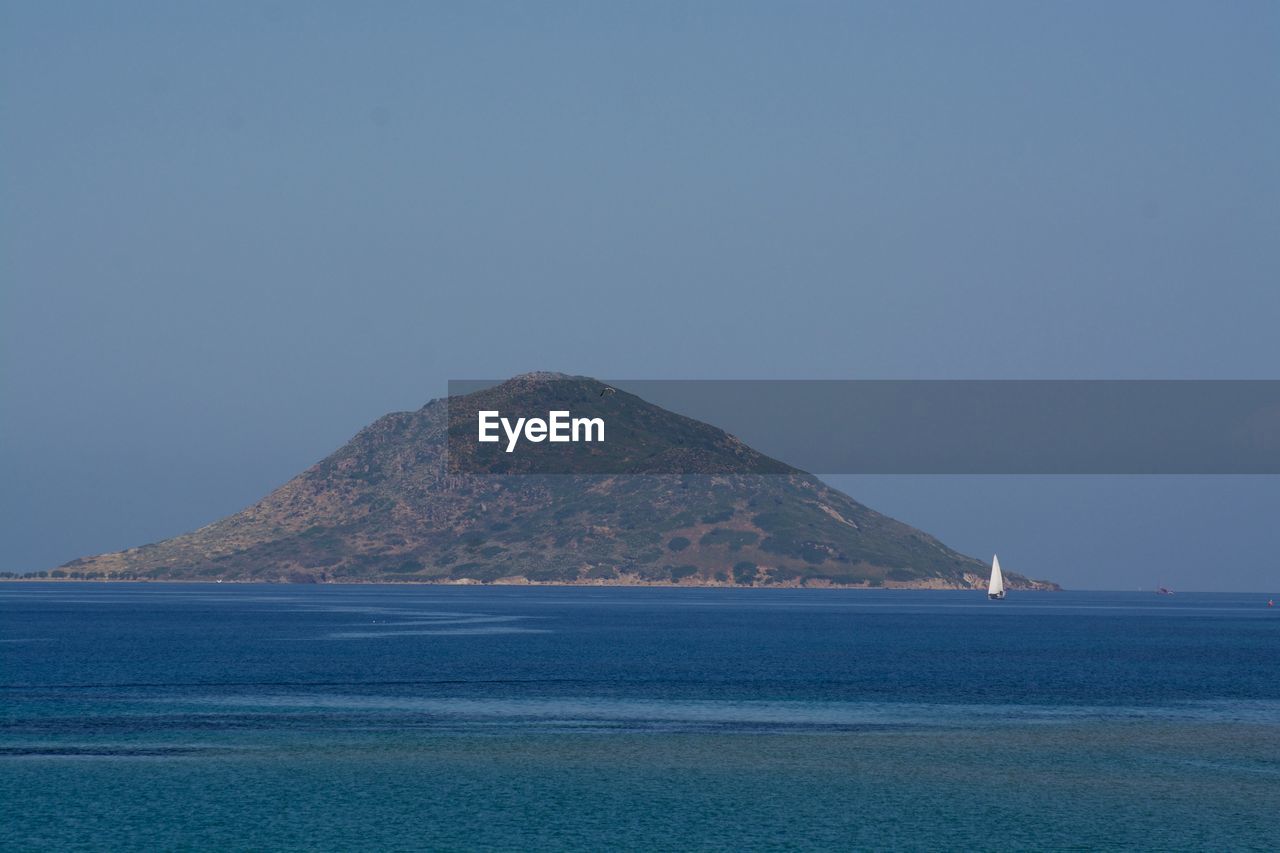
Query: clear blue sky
x=232, y=234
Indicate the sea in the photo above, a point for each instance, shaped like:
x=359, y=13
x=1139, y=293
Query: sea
x=151, y=716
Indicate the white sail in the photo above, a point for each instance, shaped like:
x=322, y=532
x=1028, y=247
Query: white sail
x=996, y=588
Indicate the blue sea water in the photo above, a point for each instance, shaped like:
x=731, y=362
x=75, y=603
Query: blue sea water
x=254, y=717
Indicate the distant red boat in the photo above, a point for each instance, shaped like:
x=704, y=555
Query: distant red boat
x=1163, y=590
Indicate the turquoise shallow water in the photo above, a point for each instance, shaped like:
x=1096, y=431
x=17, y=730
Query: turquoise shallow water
x=287, y=717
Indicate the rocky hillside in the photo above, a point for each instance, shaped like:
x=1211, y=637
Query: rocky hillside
x=393, y=505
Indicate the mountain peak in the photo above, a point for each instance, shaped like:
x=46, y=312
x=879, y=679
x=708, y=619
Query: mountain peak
x=543, y=376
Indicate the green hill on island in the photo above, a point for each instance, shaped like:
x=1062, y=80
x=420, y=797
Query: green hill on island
x=387, y=507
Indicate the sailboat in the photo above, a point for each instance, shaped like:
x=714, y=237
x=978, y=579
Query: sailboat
x=995, y=589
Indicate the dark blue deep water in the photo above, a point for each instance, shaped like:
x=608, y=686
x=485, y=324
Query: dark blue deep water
x=220, y=717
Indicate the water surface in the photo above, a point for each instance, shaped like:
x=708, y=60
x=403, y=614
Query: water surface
x=404, y=717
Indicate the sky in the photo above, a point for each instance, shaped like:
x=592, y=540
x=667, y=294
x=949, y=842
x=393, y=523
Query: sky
x=231, y=234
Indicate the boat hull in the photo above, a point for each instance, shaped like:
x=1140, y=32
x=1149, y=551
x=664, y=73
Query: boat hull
x=996, y=596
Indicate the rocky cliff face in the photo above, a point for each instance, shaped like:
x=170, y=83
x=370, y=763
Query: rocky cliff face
x=394, y=505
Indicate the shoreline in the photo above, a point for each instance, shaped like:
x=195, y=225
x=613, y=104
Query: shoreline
x=893, y=585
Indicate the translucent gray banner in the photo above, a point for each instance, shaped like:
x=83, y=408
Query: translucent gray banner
x=877, y=426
